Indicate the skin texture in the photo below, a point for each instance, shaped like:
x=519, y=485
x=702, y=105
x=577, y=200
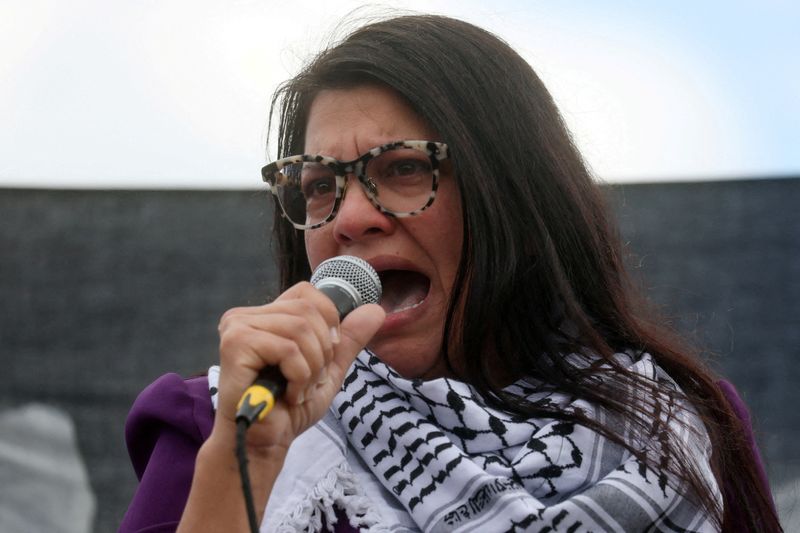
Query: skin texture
x=345, y=124
x=300, y=332
x=293, y=333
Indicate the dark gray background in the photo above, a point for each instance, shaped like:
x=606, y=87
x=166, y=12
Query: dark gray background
x=103, y=291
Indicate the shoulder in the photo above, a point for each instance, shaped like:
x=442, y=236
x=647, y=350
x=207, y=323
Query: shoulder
x=170, y=405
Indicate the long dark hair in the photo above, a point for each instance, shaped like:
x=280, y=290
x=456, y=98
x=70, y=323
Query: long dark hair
x=539, y=249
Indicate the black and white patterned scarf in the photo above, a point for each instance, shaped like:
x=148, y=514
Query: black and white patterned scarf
x=410, y=455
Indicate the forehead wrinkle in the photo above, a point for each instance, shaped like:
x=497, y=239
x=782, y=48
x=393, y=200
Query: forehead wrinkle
x=358, y=141
x=364, y=118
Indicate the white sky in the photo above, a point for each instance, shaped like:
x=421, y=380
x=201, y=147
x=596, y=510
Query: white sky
x=174, y=93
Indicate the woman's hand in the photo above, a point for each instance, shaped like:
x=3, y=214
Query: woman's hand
x=300, y=334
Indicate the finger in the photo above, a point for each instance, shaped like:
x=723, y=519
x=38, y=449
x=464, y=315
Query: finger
x=302, y=323
x=306, y=292
x=252, y=350
x=304, y=316
x=246, y=350
x=307, y=302
x=299, y=291
x=357, y=330
x=299, y=346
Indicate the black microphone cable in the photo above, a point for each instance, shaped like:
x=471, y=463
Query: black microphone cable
x=242, y=425
x=349, y=282
x=257, y=401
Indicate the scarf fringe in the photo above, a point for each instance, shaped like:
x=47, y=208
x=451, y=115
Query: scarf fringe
x=338, y=488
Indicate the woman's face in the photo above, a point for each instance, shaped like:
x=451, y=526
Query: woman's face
x=416, y=257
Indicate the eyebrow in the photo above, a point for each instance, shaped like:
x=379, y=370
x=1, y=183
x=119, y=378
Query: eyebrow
x=360, y=154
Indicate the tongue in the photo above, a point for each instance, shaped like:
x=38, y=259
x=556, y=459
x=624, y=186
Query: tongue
x=402, y=289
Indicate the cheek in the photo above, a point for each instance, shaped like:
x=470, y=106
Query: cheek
x=449, y=228
x=319, y=246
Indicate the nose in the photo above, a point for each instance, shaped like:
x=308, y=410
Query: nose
x=358, y=218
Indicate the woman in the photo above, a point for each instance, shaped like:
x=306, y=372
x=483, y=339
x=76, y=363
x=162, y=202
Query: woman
x=511, y=380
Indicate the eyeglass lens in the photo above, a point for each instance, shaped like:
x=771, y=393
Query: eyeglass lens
x=399, y=180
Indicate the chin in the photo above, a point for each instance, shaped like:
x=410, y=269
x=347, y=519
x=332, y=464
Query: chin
x=413, y=367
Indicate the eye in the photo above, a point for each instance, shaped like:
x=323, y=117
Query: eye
x=317, y=181
x=407, y=167
x=318, y=187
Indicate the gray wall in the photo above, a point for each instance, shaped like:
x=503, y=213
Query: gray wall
x=103, y=291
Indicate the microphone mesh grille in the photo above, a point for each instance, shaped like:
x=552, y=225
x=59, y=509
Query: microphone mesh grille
x=354, y=271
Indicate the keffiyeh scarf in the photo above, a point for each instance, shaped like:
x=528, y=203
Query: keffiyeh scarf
x=410, y=455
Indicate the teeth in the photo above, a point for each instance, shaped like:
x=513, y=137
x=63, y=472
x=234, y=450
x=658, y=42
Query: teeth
x=412, y=306
x=403, y=290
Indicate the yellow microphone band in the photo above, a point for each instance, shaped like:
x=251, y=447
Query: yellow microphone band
x=255, y=396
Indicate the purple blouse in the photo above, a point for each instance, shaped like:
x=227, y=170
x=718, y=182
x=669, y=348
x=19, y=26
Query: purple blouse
x=166, y=426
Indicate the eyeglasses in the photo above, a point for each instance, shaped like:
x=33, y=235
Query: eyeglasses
x=399, y=178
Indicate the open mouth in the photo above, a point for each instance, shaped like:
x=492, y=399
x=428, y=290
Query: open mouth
x=403, y=289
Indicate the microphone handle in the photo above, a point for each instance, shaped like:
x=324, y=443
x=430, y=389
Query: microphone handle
x=260, y=397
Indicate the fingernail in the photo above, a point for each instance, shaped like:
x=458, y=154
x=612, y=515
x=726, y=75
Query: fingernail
x=335, y=335
x=323, y=376
x=301, y=398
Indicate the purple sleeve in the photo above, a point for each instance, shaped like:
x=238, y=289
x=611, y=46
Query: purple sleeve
x=743, y=415
x=168, y=422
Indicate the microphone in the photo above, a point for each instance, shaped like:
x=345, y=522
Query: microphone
x=349, y=282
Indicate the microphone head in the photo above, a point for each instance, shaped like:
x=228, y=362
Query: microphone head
x=357, y=273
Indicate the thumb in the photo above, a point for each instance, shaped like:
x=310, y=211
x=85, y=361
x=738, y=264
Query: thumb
x=356, y=331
